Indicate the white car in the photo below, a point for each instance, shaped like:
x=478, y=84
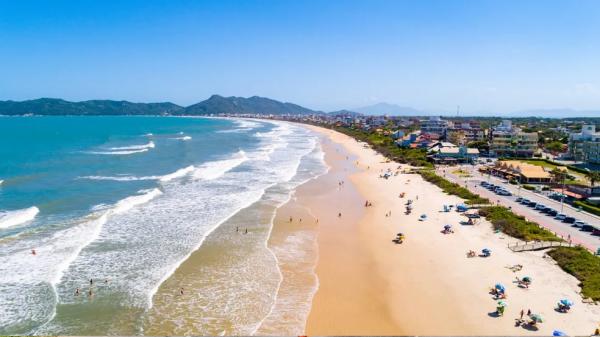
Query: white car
x=580, y=223
x=560, y=216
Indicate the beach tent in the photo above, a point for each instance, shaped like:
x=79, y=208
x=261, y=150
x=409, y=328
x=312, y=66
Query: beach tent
x=558, y=333
x=462, y=208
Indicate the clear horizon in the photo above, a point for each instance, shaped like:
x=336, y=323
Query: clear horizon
x=488, y=57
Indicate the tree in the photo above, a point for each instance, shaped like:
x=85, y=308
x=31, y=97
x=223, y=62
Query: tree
x=558, y=175
x=593, y=177
x=554, y=146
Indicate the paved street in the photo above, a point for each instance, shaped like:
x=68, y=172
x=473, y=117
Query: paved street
x=560, y=228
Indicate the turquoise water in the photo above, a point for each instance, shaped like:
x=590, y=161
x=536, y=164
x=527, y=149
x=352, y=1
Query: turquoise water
x=122, y=201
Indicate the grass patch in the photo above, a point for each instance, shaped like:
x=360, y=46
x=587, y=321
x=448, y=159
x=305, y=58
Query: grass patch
x=582, y=264
x=515, y=225
x=587, y=207
x=453, y=188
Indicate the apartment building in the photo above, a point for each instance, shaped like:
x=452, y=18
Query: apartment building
x=510, y=141
x=585, y=145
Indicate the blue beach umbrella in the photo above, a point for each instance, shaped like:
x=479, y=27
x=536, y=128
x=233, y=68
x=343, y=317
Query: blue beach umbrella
x=558, y=333
x=486, y=251
x=566, y=302
x=499, y=286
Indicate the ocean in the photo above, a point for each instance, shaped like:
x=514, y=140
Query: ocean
x=136, y=210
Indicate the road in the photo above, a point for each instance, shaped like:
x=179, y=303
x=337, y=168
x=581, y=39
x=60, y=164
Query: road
x=564, y=230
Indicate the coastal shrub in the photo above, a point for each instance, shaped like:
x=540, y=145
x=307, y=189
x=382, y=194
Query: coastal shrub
x=587, y=207
x=582, y=264
x=515, y=225
x=453, y=188
x=529, y=187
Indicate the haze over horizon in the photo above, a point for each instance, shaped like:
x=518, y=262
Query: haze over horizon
x=488, y=57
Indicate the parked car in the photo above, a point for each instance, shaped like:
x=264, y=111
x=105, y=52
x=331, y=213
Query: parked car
x=519, y=199
x=504, y=192
x=552, y=212
x=532, y=204
x=484, y=183
x=560, y=217
x=525, y=201
x=569, y=219
x=580, y=223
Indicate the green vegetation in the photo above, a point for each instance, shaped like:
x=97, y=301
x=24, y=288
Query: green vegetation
x=387, y=147
x=582, y=264
x=587, y=207
x=515, y=225
x=529, y=187
x=453, y=188
x=554, y=146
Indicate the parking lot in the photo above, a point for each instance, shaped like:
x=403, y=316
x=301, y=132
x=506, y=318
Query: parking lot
x=577, y=235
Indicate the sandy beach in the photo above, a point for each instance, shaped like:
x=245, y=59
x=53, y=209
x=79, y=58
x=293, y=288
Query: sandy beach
x=427, y=285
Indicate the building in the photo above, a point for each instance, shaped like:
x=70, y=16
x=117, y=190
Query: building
x=464, y=133
x=510, y=141
x=585, y=145
x=448, y=153
x=522, y=172
x=434, y=125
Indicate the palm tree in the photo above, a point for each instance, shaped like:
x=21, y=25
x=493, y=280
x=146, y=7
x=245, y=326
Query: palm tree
x=558, y=175
x=593, y=177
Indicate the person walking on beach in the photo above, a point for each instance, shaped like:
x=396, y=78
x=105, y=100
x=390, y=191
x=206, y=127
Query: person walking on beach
x=90, y=293
x=91, y=282
x=290, y=219
x=521, y=316
x=237, y=229
x=77, y=292
x=33, y=252
x=339, y=215
x=181, y=291
x=246, y=231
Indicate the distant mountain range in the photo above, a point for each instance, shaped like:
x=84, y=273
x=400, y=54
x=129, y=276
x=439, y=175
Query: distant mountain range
x=54, y=106
x=236, y=105
x=390, y=110
x=214, y=105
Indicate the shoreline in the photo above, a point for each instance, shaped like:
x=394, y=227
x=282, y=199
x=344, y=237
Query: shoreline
x=426, y=285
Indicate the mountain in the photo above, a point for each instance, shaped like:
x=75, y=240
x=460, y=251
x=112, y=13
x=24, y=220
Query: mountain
x=389, y=109
x=344, y=113
x=55, y=106
x=239, y=105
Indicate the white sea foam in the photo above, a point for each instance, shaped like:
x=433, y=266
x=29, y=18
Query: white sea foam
x=182, y=138
x=177, y=174
x=17, y=217
x=149, y=145
x=28, y=281
x=118, y=153
x=1, y=181
x=216, y=169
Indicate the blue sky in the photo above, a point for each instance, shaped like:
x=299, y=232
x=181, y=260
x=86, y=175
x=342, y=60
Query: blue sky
x=487, y=56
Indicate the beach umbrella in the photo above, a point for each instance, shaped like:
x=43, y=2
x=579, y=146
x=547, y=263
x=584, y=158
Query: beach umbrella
x=502, y=303
x=566, y=302
x=527, y=279
x=423, y=216
x=447, y=226
x=537, y=318
x=499, y=286
x=558, y=333
x=486, y=251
